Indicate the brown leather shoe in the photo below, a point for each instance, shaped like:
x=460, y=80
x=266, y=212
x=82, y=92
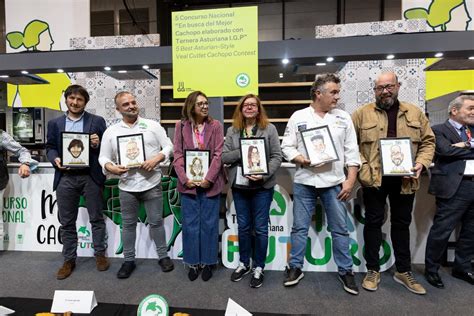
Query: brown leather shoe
x=66, y=269
x=102, y=263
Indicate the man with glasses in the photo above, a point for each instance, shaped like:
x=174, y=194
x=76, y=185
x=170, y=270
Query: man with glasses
x=389, y=117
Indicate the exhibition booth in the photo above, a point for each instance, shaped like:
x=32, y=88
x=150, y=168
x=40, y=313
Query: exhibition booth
x=31, y=215
x=107, y=64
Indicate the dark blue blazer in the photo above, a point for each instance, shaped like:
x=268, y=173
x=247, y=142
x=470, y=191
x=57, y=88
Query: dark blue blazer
x=93, y=124
x=449, y=161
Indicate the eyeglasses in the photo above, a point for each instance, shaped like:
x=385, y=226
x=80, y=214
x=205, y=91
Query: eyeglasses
x=201, y=104
x=249, y=105
x=389, y=87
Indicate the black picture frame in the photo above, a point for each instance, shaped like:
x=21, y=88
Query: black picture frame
x=247, y=146
x=71, y=156
x=200, y=158
x=396, y=156
x=316, y=141
x=134, y=156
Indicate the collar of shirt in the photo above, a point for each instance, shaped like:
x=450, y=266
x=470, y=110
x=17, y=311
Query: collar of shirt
x=130, y=126
x=456, y=125
x=76, y=125
x=68, y=119
x=254, y=132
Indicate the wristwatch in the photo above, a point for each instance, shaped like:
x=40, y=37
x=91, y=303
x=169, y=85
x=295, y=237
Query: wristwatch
x=467, y=144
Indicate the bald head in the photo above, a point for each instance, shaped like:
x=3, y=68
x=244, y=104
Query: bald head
x=386, y=76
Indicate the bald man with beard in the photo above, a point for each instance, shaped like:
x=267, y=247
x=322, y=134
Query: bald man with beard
x=389, y=117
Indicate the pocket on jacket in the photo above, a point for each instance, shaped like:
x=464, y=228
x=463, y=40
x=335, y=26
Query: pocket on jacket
x=414, y=131
x=369, y=133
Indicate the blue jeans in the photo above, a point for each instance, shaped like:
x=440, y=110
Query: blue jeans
x=304, y=197
x=200, y=227
x=253, y=212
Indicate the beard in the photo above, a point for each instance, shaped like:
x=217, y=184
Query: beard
x=397, y=161
x=387, y=102
x=130, y=115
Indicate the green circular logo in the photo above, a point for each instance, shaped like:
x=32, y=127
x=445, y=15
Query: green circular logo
x=242, y=80
x=153, y=305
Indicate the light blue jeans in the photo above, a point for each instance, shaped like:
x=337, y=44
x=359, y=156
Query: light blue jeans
x=305, y=197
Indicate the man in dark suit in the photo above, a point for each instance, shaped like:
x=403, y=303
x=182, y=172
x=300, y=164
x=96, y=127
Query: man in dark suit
x=452, y=182
x=70, y=184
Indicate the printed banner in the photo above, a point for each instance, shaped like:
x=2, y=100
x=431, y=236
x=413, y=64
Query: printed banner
x=215, y=51
x=31, y=223
x=319, y=252
x=443, y=15
x=30, y=217
x=43, y=25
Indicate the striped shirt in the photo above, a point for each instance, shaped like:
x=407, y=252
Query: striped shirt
x=8, y=143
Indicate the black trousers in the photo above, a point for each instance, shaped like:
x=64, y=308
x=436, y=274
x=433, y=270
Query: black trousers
x=68, y=194
x=401, y=207
x=449, y=213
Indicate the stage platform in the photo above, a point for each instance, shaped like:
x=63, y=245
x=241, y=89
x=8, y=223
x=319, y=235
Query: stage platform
x=32, y=275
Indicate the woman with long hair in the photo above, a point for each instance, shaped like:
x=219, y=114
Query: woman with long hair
x=200, y=201
x=252, y=194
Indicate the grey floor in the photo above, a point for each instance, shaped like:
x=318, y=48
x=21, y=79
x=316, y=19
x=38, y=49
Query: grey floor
x=32, y=274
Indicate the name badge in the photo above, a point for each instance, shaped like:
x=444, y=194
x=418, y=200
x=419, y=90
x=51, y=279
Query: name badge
x=302, y=127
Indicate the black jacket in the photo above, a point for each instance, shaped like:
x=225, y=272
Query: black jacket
x=93, y=124
x=449, y=161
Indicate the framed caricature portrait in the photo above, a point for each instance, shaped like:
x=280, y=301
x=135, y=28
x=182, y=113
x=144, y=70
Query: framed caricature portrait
x=319, y=145
x=396, y=155
x=75, y=152
x=131, y=150
x=196, y=164
x=254, y=157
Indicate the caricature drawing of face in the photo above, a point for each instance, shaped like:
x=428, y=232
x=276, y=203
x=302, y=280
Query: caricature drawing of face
x=132, y=150
x=318, y=144
x=253, y=156
x=75, y=148
x=196, y=166
x=396, y=155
